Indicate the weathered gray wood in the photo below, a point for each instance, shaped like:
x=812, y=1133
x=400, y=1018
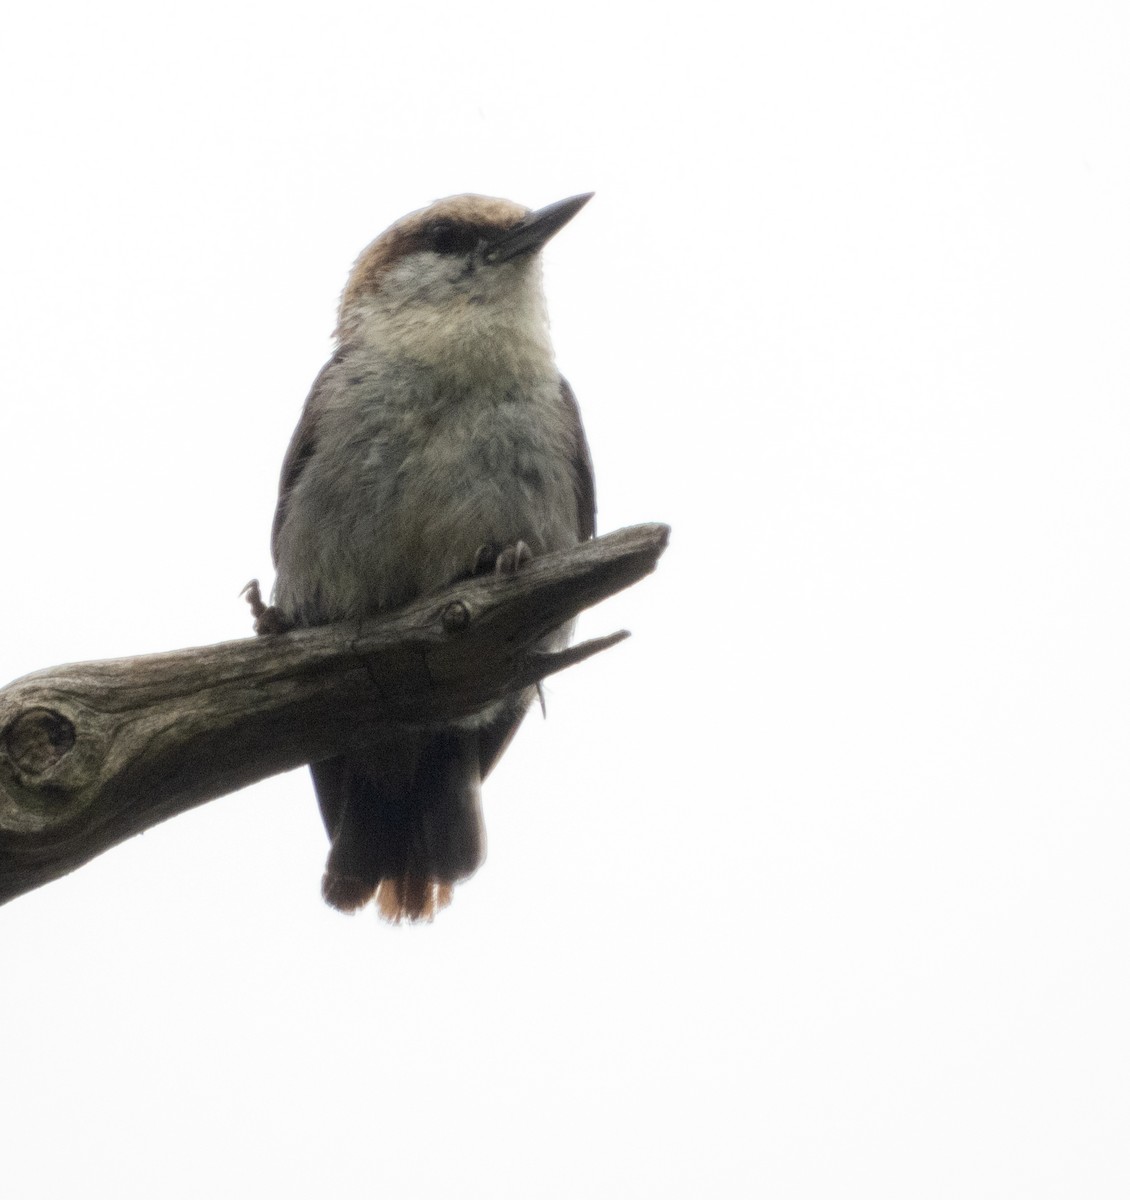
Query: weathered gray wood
x=93, y=753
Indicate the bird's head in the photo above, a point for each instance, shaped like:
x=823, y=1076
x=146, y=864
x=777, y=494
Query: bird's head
x=457, y=283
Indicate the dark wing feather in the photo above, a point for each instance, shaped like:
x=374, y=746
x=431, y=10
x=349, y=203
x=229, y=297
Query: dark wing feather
x=497, y=734
x=303, y=443
x=582, y=467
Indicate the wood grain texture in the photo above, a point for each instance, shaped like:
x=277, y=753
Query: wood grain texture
x=93, y=753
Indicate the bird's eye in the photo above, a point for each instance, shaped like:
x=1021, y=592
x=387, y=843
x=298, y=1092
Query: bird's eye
x=449, y=238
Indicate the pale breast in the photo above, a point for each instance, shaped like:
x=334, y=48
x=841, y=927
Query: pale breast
x=409, y=478
x=491, y=468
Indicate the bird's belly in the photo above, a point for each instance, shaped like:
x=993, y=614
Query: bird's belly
x=406, y=502
x=449, y=507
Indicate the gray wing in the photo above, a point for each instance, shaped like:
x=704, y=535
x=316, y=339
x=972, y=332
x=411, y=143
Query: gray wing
x=303, y=443
x=582, y=467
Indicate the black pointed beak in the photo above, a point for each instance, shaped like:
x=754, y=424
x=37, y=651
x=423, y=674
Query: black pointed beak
x=530, y=234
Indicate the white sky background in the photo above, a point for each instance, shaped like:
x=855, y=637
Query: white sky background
x=817, y=886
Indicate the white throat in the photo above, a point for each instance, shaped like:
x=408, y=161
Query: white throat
x=488, y=324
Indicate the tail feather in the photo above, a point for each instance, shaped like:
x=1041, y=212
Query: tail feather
x=405, y=823
x=412, y=898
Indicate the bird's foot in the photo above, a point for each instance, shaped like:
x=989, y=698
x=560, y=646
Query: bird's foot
x=268, y=619
x=511, y=558
x=489, y=559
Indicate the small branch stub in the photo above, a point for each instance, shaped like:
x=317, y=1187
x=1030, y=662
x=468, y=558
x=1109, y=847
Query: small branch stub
x=456, y=616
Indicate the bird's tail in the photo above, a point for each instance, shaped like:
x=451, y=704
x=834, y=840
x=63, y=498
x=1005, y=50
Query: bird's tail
x=405, y=822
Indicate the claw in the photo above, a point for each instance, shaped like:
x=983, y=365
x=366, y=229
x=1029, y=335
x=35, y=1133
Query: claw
x=268, y=619
x=512, y=558
x=254, y=597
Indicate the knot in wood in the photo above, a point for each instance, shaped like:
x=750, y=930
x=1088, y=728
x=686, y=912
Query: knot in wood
x=456, y=616
x=37, y=739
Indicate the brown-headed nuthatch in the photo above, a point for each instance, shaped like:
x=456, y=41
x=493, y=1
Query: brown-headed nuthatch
x=439, y=440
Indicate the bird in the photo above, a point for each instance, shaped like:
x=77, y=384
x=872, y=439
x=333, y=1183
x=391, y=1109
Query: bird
x=439, y=442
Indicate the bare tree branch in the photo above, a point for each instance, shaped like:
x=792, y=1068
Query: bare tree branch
x=93, y=753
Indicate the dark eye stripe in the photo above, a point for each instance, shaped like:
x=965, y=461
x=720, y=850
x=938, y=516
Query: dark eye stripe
x=448, y=237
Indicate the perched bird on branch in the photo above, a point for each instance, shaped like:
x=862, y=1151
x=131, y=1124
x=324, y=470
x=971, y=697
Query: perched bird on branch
x=438, y=442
